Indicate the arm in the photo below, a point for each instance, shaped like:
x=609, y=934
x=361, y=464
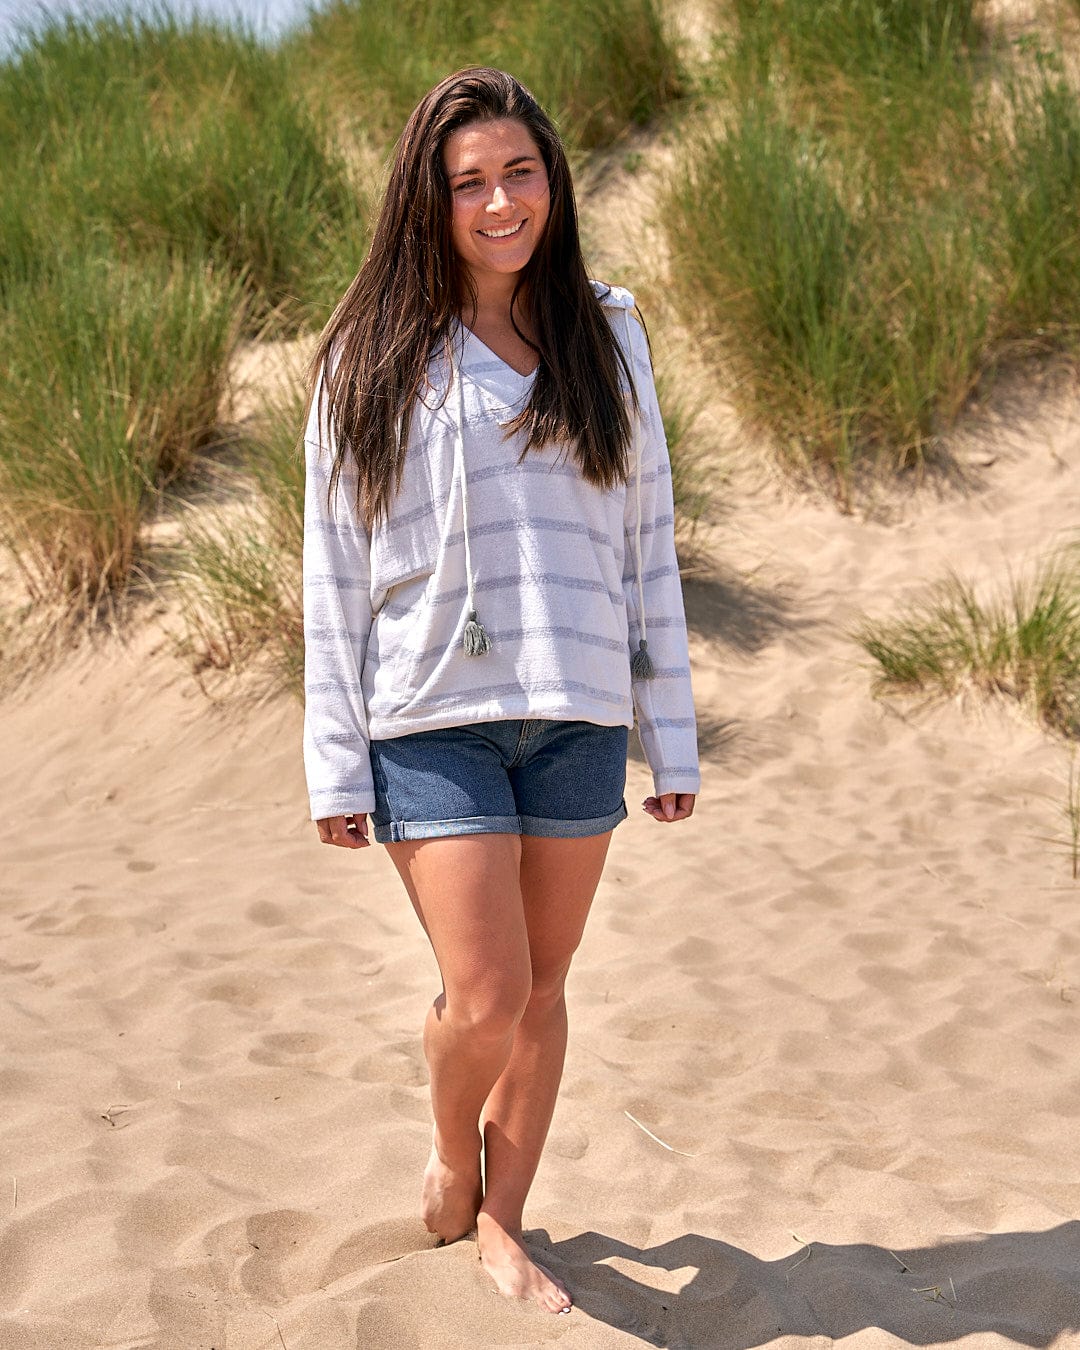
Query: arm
x=337, y=624
x=663, y=704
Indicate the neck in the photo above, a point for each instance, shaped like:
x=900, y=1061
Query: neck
x=494, y=294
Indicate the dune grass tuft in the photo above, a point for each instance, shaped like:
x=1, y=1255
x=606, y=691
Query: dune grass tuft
x=113, y=377
x=596, y=65
x=151, y=133
x=887, y=209
x=1036, y=179
x=242, y=588
x=853, y=324
x=864, y=38
x=1025, y=644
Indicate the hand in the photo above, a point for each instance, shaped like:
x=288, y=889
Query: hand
x=670, y=806
x=345, y=831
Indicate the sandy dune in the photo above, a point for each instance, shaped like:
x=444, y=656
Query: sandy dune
x=845, y=996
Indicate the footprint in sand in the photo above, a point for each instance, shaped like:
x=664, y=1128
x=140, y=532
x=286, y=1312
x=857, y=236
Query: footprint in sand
x=266, y=913
x=284, y=1048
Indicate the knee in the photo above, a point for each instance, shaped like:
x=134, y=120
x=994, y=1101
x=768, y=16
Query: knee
x=489, y=1010
x=548, y=986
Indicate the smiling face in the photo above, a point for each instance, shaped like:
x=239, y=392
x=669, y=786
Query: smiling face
x=499, y=198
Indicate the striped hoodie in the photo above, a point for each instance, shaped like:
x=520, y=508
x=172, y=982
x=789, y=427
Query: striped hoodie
x=565, y=577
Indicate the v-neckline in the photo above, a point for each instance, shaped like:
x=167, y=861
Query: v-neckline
x=495, y=355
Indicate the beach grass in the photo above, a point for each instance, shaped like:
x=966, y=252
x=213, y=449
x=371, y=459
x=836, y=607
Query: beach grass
x=596, y=65
x=174, y=192
x=867, y=39
x=854, y=323
x=114, y=375
x=878, y=207
x=241, y=586
x=152, y=132
x=1024, y=644
x=1036, y=180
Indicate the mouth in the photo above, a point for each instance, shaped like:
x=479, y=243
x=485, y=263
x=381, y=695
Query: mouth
x=506, y=233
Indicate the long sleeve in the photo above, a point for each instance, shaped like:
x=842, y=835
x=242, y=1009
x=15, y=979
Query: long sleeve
x=337, y=625
x=663, y=705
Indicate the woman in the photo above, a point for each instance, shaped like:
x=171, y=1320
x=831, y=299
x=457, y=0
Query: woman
x=489, y=523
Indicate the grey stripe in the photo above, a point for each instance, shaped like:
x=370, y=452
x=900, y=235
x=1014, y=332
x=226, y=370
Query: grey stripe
x=517, y=634
x=530, y=464
x=334, y=738
x=533, y=578
x=410, y=517
x=321, y=632
x=469, y=698
x=333, y=581
x=531, y=523
x=321, y=525
x=647, y=528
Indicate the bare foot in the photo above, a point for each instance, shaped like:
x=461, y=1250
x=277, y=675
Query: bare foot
x=450, y=1199
x=514, y=1271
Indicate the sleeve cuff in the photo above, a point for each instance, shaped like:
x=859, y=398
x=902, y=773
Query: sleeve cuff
x=327, y=804
x=678, y=781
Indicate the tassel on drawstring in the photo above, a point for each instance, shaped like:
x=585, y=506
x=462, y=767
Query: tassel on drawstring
x=641, y=666
x=476, y=641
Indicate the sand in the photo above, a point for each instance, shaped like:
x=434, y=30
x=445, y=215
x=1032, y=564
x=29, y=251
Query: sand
x=822, y=1085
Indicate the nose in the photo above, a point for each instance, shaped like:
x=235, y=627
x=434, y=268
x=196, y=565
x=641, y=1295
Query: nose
x=500, y=199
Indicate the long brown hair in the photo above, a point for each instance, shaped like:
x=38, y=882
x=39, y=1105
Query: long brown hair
x=401, y=306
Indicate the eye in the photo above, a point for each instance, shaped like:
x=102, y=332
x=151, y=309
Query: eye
x=469, y=185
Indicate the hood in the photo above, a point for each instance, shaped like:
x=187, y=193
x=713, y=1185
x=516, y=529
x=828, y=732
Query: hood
x=612, y=297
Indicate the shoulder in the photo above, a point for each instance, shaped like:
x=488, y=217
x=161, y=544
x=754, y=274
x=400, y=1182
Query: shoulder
x=612, y=297
x=625, y=318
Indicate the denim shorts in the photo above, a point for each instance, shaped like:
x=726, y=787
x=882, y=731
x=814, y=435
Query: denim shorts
x=560, y=780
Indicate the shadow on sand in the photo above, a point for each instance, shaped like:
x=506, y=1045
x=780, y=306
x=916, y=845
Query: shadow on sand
x=1024, y=1287
x=742, y=618
x=741, y=615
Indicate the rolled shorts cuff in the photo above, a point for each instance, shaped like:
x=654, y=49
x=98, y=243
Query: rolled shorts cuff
x=396, y=831
x=572, y=829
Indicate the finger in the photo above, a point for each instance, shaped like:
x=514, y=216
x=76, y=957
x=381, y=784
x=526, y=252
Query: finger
x=341, y=835
x=654, y=806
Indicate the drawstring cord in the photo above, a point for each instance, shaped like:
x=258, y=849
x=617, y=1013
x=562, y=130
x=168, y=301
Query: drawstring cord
x=641, y=664
x=475, y=640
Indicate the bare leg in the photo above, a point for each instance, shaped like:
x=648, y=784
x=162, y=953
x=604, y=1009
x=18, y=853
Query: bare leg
x=558, y=880
x=466, y=891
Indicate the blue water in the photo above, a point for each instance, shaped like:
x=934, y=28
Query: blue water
x=268, y=18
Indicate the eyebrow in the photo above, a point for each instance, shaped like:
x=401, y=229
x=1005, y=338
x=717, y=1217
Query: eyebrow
x=510, y=163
